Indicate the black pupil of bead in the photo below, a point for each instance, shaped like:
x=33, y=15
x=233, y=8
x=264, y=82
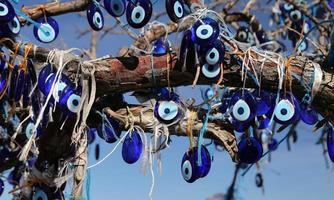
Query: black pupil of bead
x=14, y=24
x=212, y=55
x=137, y=15
x=116, y=7
x=2, y=9
x=204, y=32
x=186, y=171
x=210, y=67
x=39, y=198
x=284, y=111
x=167, y=110
x=98, y=20
x=179, y=9
x=75, y=102
x=241, y=111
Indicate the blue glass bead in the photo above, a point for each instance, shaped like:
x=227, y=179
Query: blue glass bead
x=13, y=82
x=109, y=134
x=32, y=72
x=69, y=100
x=243, y=106
x=240, y=126
x=214, y=53
x=263, y=102
x=262, y=121
x=287, y=110
x=273, y=144
x=167, y=111
x=39, y=194
x=95, y=17
x=160, y=47
x=175, y=9
x=2, y=186
x=19, y=85
x=3, y=62
x=225, y=102
x=3, y=80
x=7, y=12
x=11, y=29
x=205, y=31
x=91, y=135
x=249, y=150
x=132, y=147
x=26, y=90
x=138, y=13
x=48, y=30
x=330, y=143
x=115, y=8
x=308, y=114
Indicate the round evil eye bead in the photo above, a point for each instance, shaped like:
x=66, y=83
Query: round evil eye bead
x=12, y=28
x=138, y=13
x=273, y=144
x=160, y=47
x=243, y=35
x=243, y=106
x=115, y=8
x=258, y=180
x=39, y=194
x=303, y=46
x=7, y=12
x=2, y=186
x=308, y=115
x=287, y=110
x=60, y=86
x=167, y=111
x=47, y=31
x=110, y=132
x=95, y=17
x=70, y=99
x=132, y=147
x=205, y=31
x=175, y=9
x=295, y=15
x=188, y=167
x=286, y=8
x=250, y=150
x=330, y=143
x=211, y=71
x=215, y=53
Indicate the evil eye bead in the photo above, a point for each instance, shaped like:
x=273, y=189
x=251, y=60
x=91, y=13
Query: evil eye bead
x=95, y=17
x=167, y=111
x=211, y=71
x=204, y=168
x=12, y=28
x=243, y=35
x=250, y=150
x=2, y=186
x=132, y=148
x=39, y=194
x=47, y=31
x=241, y=110
x=13, y=82
x=115, y=8
x=205, y=31
x=225, y=102
x=330, y=143
x=303, y=46
x=29, y=129
x=70, y=99
x=19, y=85
x=308, y=115
x=26, y=91
x=284, y=111
x=215, y=54
x=138, y=13
x=188, y=167
x=295, y=15
x=175, y=9
x=60, y=86
x=7, y=12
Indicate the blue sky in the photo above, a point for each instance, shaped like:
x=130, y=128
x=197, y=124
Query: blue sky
x=299, y=174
